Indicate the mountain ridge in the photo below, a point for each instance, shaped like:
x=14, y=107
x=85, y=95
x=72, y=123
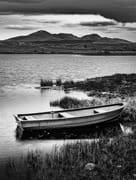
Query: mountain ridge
x=42, y=35
x=43, y=42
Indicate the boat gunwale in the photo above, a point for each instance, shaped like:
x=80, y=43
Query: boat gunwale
x=71, y=126
x=122, y=105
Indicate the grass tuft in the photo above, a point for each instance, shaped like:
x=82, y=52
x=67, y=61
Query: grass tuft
x=44, y=82
x=129, y=113
x=69, y=102
x=58, y=82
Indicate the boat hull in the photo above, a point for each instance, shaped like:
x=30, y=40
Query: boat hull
x=72, y=122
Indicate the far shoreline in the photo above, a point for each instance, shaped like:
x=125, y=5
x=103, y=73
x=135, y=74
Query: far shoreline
x=82, y=54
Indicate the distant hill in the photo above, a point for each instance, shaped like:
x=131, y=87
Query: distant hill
x=91, y=37
x=63, y=43
x=64, y=36
x=46, y=36
x=36, y=36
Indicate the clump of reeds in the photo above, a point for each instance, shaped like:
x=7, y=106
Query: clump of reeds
x=67, y=102
x=129, y=113
x=45, y=82
x=70, y=102
x=58, y=82
x=112, y=159
x=69, y=84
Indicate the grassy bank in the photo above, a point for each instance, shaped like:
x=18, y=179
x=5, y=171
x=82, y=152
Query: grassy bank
x=107, y=160
x=115, y=85
x=119, y=84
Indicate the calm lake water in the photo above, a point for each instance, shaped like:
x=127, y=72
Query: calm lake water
x=19, y=74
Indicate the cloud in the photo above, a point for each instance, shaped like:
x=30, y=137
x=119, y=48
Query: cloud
x=126, y=26
x=78, y=24
x=90, y=22
x=21, y=27
x=41, y=21
x=129, y=26
x=120, y=10
x=99, y=24
x=75, y=19
x=68, y=19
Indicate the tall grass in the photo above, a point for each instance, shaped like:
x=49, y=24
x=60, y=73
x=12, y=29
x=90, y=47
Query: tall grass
x=69, y=102
x=129, y=113
x=58, y=82
x=69, y=84
x=112, y=160
x=44, y=82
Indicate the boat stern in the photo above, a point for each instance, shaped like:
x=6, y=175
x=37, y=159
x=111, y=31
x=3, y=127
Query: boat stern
x=18, y=120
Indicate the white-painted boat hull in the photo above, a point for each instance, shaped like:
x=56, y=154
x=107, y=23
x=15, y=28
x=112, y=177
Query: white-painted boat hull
x=70, y=121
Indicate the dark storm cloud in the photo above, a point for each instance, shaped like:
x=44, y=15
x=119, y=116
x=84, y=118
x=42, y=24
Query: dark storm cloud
x=120, y=10
x=98, y=24
x=22, y=1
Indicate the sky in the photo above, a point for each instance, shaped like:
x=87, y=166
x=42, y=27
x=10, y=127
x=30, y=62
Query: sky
x=108, y=18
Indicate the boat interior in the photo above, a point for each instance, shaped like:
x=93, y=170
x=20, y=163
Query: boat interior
x=68, y=113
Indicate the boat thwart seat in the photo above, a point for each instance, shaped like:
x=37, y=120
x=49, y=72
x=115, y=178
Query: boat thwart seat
x=65, y=115
x=28, y=118
x=99, y=110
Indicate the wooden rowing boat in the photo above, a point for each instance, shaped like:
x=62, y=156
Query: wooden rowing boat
x=71, y=118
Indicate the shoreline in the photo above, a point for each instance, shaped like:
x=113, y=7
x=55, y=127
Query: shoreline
x=117, y=84
x=82, y=54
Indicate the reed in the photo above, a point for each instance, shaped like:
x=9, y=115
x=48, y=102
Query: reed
x=69, y=102
x=58, y=82
x=129, y=113
x=44, y=82
x=111, y=159
x=68, y=84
